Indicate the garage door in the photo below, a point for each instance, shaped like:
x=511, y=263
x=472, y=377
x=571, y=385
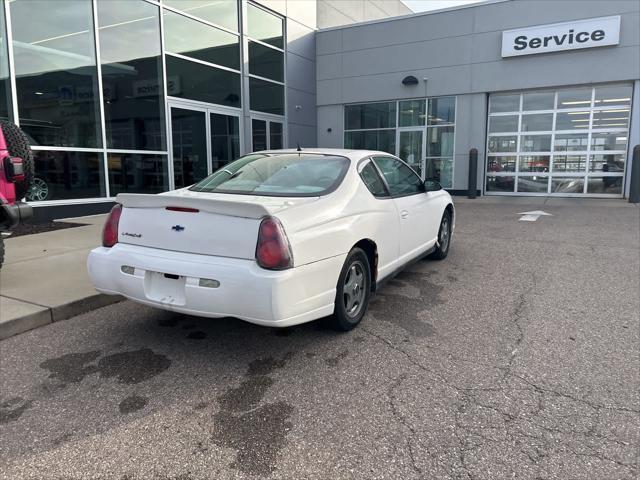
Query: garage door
x=565, y=142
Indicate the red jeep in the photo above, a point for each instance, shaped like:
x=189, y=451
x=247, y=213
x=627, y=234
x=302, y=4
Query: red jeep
x=16, y=176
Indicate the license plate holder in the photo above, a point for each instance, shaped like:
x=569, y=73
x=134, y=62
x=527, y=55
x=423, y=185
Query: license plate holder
x=168, y=289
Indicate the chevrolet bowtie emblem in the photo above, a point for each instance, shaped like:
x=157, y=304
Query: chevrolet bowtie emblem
x=177, y=228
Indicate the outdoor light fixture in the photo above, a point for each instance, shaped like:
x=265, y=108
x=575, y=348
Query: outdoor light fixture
x=410, y=80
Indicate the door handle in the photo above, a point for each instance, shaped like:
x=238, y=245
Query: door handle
x=404, y=214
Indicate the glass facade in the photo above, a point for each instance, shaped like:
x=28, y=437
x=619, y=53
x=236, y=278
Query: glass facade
x=138, y=95
x=567, y=142
x=420, y=131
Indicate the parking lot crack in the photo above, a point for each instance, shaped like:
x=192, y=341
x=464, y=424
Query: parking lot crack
x=403, y=421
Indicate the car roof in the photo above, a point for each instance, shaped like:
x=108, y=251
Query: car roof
x=343, y=152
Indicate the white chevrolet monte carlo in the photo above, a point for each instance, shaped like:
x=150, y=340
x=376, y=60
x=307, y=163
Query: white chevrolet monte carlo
x=276, y=238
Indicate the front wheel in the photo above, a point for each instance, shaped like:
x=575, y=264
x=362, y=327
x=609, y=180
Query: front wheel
x=352, y=292
x=444, y=238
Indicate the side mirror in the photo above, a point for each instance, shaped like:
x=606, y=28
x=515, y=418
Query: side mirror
x=432, y=185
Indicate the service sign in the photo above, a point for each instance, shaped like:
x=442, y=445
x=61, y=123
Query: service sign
x=593, y=32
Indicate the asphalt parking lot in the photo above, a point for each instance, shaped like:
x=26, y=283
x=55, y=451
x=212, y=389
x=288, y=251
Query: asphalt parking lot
x=516, y=357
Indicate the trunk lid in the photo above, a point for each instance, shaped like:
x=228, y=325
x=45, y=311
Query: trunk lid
x=223, y=225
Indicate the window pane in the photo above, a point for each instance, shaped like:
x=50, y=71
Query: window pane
x=201, y=82
x=264, y=26
x=440, y=169
x=614, y=118
x=132, y=75
x=503, y=144
x=65, y=175
x=382, y=140
x=401, y=180
x=372, y=180
x=613, y=95
x=220, y=12
x=370, y=115
x=504, y=123
x=258, y=135
x=501, y=164
x=535, y=143
x=534, y=163
x=6, y=111
x=504, y=103
x=266, y=62
x=266, y=96
x=440, y=141
x=442, y=110
x=412, y=113
x=569, y=163
x=225, y=139
x=608, y=185
x=570, y=142
x=533, y=184
x=538, y=122
x=56, y=74
x=194, y=39
x=275, y=135
x=500, y=184
x=188, y=131
x=411, y=149
x=137, y=173
x=538, y=100
x=572, y=120
x=609, y=141
x=574, y=98
x=567, y=185
x=611, y=163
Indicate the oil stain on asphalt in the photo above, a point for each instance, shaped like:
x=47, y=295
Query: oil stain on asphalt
x=132, y=403
x=127, y=367
x=257, y=433
x=404, y=298
x=13, y=408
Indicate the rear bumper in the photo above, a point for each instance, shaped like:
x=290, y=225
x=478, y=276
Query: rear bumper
x=12, y=214
x=245, y=290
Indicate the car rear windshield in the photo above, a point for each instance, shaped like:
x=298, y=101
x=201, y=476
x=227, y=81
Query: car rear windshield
x=278, y=175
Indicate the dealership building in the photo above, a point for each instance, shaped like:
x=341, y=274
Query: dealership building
x=146, y=96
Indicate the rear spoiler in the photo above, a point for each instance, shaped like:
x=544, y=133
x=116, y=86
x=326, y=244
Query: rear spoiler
x=242, y=209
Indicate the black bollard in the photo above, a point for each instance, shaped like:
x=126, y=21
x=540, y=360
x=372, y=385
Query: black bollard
x=473, y=173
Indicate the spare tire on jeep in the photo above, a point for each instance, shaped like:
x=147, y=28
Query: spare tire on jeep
x=18, y=146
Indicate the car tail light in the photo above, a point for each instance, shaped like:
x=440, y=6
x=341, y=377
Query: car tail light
x=110, y=230
x=14, y=169
x=273, y=250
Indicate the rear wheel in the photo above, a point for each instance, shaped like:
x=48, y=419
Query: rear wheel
x=352, y=292
x=18, y=146
x=444, y=238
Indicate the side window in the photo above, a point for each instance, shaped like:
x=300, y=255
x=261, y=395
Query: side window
x=400, y=178
x=372, y=180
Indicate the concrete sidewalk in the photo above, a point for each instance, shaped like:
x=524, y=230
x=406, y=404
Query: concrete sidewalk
x=44, y=278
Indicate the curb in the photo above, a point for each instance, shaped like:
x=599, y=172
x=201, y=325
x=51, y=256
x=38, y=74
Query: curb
x=50, y=315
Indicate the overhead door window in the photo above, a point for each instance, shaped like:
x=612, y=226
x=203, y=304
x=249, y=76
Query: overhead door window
x=558, y=142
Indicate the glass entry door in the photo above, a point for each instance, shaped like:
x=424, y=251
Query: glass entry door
x=202, y=140
x=266, y=134
x=411, y=148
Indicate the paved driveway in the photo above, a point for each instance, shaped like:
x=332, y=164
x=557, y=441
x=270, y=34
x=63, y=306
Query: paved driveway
x=517, y=357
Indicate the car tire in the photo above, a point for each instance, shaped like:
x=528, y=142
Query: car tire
x=352, y=292
x=18, y=146
x=444, y=238
x=1, y=250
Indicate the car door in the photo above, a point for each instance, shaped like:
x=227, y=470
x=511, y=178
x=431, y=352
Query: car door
x=385, y=219
x=415, y=207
